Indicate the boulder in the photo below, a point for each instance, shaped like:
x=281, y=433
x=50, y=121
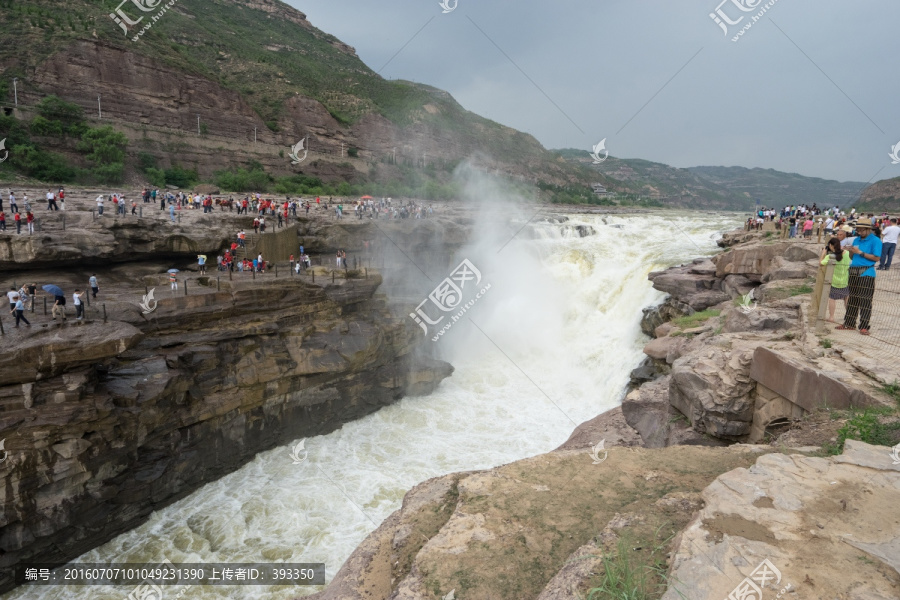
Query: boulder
x=738, y=285
x=610, y=426
x=659, y=315
x=646, y=371
x=666, y=348
x=759, y=318
x=648, y=411
x=780, y=268
x=713, y=389
x=698, y=290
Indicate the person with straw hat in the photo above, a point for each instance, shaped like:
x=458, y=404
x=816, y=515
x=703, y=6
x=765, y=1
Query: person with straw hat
x=866, y=250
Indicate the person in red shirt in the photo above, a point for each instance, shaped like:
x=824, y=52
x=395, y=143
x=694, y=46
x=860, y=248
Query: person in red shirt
x=30, y=220
x=18, y=218
x=2, y=221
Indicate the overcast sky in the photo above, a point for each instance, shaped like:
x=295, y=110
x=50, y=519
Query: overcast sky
x=810, y=87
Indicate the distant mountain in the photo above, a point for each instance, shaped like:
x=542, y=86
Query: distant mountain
x=777, y=189
x=881, y=196
x=658, y=183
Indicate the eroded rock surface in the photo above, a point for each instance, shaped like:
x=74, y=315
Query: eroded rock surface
x=827, y=526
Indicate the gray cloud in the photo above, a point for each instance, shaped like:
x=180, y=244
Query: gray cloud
x=760, y=102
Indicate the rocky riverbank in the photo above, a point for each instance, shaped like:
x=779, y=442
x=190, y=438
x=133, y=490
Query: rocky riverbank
x=712, y=465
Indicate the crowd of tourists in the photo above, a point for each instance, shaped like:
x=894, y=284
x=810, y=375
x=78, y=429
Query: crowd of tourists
x=55, y=201
x=24, y=298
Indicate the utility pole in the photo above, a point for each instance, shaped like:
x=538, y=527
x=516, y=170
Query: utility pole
x=15, y=91
x=99, y=111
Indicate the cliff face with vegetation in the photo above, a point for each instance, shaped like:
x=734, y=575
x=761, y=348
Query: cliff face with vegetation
x=882, y=196
x=217, y=85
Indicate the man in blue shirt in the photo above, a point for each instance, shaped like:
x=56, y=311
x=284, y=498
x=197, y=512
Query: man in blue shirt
x=866, y=251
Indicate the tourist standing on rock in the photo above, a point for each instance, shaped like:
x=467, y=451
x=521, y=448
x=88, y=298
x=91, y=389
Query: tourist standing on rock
x=888, y=245
x=95, y=287
x=62, y=198
x=79, y=305
x=100, y=205
x=59, y=307
x=13, y=206
x=2, y=221
x=173, y=282
x=172, y=212
x=31, y=289
x=18, y=311
x=51, y=201
x=841, y=277
x=13, y=295
x=18, y=219
x=241, y=238
x=866, y=251
x=201, y=261
x=29, y=219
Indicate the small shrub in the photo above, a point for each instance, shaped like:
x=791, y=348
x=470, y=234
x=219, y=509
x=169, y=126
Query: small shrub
x=695, y=319
x=864, y=427
x=892, y=390
x=825, y=343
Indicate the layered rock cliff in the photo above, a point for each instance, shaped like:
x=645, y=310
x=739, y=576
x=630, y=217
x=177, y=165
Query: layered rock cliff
x=110, y=418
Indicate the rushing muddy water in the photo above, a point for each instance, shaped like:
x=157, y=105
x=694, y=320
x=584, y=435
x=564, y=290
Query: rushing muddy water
x=549, y=345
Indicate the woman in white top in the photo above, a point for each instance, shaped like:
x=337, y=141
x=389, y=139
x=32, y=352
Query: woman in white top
x=79, y=307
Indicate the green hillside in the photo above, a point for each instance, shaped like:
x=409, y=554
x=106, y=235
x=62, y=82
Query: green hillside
x=658, y=183
x=777, y=189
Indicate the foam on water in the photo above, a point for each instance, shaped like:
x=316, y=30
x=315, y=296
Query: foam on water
x=550, y=345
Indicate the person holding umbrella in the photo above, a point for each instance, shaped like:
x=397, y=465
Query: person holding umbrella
x=59, y=305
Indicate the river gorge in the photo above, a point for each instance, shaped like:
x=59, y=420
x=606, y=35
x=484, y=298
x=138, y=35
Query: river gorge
x=549, y=346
